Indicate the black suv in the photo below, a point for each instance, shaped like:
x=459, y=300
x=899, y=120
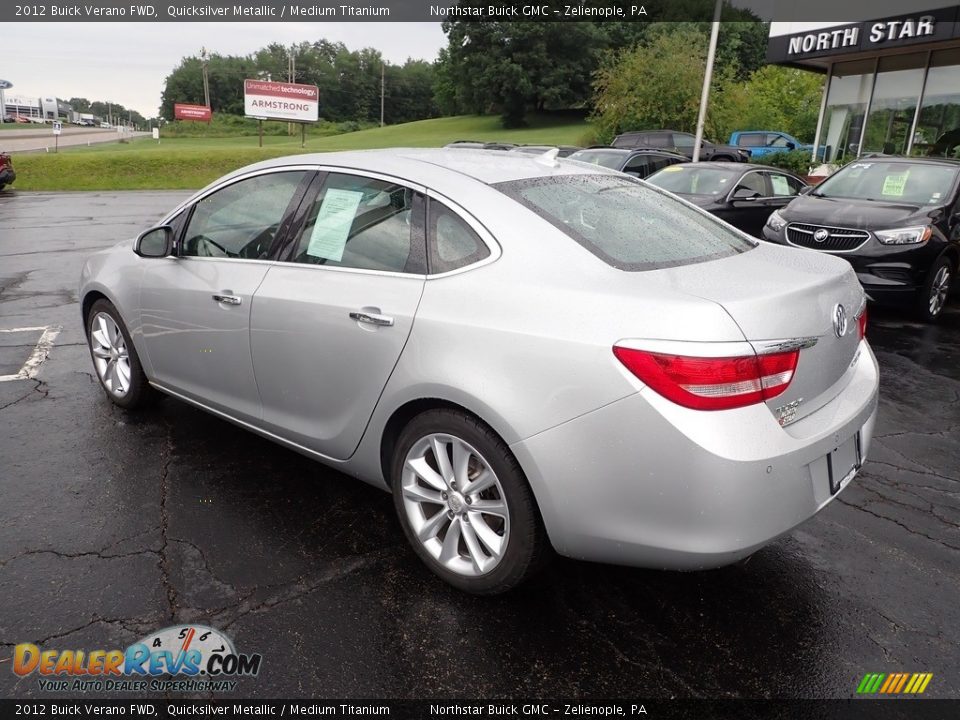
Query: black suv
x=895, y=219
x=641, y=162
x=680, y=142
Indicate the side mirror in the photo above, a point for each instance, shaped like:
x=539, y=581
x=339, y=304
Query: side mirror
x=155, y=243
x=745, y=195
x=791, y=146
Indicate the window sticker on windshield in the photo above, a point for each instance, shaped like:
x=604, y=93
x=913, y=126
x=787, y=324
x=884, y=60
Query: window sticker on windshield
x=780, y=185
x=861, y=166
x=334, y=220
x=672, y=168
x=894, y=184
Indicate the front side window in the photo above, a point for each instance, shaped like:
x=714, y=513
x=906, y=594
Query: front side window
x=780, y=141
x=638, y=166
x=626, y=223
x=752, y=181
x=364, y=223
x=242, y=219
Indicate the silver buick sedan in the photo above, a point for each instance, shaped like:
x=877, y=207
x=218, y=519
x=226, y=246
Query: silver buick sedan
x=529, y=353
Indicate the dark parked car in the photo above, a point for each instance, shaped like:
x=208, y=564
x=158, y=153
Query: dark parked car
x=7, y=174
x=896, y=220
x=947, y=144
x=565, y=150
x=682, y=143
x=743, y=195
x=640, y=163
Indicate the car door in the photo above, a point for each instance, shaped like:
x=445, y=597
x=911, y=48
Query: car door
x=195, y=306
x=331, y=318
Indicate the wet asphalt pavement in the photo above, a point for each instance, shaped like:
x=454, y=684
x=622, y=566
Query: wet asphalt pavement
x=115, y=524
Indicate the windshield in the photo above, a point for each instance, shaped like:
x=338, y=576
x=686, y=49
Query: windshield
x=903, y=182
x=695, y=179
x=626, y=223
x=604, y=158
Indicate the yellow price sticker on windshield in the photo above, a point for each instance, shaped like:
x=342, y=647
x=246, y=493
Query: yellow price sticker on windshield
x=672, y=168
x=894, y=184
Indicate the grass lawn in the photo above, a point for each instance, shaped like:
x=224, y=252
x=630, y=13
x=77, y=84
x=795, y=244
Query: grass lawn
x=185, y=163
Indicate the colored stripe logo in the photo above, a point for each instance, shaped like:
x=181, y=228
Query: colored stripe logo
x=894, y=683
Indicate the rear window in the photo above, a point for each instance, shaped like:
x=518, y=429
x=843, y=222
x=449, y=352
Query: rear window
x=626, y=223
x=612, y=159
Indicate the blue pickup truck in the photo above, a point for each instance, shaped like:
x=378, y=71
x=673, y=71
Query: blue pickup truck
x=764, y=142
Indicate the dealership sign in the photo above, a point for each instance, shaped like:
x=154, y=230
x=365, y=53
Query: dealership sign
x=870, y=36
x=281, y=101
x=182, y=111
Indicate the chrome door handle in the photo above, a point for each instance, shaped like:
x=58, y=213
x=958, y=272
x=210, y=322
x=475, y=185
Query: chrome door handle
x=372, y=319
x=227, y=299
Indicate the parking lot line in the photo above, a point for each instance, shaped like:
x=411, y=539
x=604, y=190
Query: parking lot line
x=32, y=366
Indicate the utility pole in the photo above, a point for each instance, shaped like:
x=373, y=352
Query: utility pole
x=382, y=75
x=291, y=77
x=204, y=59
x=707, y=79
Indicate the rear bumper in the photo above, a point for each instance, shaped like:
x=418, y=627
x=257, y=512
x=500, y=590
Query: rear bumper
x=645, y=482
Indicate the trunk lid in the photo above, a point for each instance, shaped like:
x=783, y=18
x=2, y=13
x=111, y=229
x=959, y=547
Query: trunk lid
x=774, y=294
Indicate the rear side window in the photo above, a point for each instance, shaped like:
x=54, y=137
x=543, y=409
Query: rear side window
x=626, y=223
x=752, y=139
x=451, y=243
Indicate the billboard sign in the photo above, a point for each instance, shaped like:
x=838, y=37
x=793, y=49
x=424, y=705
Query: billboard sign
x=281, y=101
x=183, y=111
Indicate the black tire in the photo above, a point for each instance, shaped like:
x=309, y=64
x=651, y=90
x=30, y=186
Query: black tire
x=139, y=393
x=527, y=547
x=927, y=309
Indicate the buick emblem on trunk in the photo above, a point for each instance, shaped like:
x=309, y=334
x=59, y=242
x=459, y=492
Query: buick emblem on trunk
x=840, y=321
x=821, y=235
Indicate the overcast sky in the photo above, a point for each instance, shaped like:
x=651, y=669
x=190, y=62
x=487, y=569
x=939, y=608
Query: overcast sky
x=127, y=62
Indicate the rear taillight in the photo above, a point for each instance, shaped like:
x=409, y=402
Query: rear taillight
x=862, y=323
x=708, y=383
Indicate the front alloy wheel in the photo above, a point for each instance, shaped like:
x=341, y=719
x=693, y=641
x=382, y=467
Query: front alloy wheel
x=464, y=503
x=936, y=290
x=110, y=356
x=939, y=287
x=115, y=357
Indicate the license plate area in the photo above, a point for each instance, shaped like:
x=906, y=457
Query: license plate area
x=843, y=462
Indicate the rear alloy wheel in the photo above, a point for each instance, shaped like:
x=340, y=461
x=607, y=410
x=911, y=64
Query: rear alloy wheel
x=936, y=290
x=464, y=504
x=115, y=358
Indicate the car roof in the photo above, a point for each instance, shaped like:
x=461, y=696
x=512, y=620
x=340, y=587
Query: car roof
x=725, y=165
x=432, y=166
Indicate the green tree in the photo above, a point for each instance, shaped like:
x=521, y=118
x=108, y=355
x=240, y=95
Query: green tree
x=773, y=98
x=513, y=67
x=653, y=85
